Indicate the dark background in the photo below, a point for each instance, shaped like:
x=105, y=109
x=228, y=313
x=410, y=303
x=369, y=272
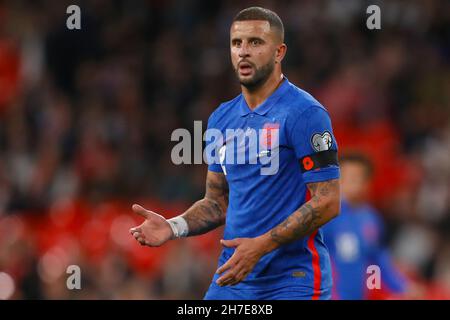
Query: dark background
x=86, y=117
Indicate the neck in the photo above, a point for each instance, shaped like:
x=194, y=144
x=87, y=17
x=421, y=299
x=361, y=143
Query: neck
x=257, y=96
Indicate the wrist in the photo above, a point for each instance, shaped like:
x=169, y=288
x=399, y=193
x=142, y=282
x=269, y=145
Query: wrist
x=266, y=243
x=179, y=226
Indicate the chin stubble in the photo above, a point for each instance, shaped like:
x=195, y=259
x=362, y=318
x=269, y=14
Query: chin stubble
x=260, y=77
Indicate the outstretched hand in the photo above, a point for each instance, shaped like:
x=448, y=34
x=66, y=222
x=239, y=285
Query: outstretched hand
x=154, y=231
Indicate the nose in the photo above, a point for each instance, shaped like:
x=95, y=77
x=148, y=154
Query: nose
x=243, y=50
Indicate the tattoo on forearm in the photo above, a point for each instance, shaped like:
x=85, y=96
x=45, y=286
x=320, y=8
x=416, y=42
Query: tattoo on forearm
x=203, y=216
x=209, y=213
x=300, y=223
x=309, y=216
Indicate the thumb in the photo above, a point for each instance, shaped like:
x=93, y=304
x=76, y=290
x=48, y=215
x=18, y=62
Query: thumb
x=230, y=243
x=141, y=211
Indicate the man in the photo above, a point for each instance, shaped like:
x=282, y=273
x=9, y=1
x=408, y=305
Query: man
x=273, y=246
x=355, y=237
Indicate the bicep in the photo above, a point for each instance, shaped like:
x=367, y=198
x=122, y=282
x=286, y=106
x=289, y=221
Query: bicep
x=217, y=188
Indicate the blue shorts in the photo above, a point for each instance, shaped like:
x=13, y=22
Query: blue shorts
x=216, y=292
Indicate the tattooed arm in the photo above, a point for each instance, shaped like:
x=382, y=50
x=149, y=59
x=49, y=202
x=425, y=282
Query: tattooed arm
x=203, y=216
x=322, y=207
x=209, y=212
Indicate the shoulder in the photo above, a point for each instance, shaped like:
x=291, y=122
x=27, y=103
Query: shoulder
x=224, y=110
x=301, y=105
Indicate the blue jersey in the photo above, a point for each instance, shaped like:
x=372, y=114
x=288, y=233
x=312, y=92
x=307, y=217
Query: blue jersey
x=260, y=201
x=354, y=241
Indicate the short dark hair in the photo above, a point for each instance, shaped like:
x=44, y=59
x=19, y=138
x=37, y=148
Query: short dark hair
x=258, y=13
x=359, y=158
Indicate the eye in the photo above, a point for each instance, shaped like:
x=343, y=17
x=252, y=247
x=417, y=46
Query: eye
x=236, y=43
x=255, y=42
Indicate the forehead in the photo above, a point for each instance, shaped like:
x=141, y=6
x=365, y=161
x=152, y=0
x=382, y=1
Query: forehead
x=250, y=28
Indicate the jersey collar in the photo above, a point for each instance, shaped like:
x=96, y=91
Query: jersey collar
x=264, y=107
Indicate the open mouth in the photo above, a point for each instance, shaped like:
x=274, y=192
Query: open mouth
x=245, y=68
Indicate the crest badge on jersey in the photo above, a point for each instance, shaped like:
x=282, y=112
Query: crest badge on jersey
x=269, y=130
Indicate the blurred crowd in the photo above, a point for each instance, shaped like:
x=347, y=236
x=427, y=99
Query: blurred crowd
x=86, y=118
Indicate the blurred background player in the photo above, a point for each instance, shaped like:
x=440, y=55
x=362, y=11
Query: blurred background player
x=355, y=238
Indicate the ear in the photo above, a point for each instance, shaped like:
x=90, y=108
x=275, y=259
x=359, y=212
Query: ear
x=280, y=52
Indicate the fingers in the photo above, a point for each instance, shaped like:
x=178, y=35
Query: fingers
x=240, y=276
x=136, y=232
x=230, y=243
x=232, y=261
x=238, y=266
x=139, y=238
x=141, y=241
x=141, y=211
x=138, y=235
x=135, y=229
x=227, y=265
x=231, y=268
x=234, y=275
x=226, y=279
